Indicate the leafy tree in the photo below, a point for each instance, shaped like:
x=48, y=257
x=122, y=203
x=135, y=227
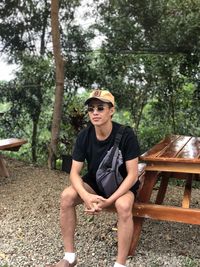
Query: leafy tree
x=147, y=55
x=29, y=94
x=23, y=27
x=154, y=26
x=149, y=59
x=32, y=37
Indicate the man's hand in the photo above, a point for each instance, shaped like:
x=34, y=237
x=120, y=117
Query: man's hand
x=93, y=203
x=104, y=204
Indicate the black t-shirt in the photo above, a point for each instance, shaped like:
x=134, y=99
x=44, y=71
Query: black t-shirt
x=89, y=148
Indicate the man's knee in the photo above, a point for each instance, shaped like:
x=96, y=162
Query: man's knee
x=124, y=206
x=68, y=197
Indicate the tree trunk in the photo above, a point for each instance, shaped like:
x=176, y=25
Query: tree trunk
x=34, y=140
x=59, y=92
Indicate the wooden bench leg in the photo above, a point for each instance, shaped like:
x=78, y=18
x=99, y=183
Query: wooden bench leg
x=144, y=196
x=163, y=188
x=3, y=170
x=187, y=191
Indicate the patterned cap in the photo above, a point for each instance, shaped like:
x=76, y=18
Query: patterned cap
x=102, y=95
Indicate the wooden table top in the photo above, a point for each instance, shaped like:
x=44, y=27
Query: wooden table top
x=174, y=150
x=11, y=143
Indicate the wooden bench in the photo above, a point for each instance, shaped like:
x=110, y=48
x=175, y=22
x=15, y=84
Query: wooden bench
x=176, y=157
x=10, y=144
x=156, y=211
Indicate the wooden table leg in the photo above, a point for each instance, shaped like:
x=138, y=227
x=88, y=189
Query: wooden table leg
x=187, y=192
x=3, y=170
x=144, y=197
x=163, y=187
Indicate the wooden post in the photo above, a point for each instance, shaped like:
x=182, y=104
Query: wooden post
x=3, y=170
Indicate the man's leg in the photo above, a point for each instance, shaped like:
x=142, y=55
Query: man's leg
x=69, y=200
x=124, y=206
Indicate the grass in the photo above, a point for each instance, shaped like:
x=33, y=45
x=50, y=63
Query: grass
x=190, y=263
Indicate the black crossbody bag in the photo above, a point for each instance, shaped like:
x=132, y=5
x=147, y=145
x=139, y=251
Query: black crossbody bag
x=108, y=177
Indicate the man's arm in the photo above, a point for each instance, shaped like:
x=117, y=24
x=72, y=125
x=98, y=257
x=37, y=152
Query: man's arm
x=90, y=200
x=76, y=179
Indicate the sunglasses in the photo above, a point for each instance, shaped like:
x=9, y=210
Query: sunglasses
x=98, y=108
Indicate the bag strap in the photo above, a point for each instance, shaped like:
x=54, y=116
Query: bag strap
x=119, y=135
x=118, y=138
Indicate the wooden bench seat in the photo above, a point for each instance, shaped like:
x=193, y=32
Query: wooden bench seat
x=166, y=213
x=10, y=144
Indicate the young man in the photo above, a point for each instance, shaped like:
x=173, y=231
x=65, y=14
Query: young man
x=91, y=145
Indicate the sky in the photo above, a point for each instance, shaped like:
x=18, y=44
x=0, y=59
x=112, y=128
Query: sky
x=6, y=71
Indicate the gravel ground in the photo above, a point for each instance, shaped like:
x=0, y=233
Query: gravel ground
x=30, y=233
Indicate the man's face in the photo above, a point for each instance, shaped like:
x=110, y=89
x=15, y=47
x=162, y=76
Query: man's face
x=99, y=112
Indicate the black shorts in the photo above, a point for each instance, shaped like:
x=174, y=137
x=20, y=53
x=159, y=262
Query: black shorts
x=92, y=183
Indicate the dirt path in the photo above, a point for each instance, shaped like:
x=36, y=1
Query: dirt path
x=30, y=234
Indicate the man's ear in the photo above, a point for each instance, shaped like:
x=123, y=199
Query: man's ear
x=112, y=109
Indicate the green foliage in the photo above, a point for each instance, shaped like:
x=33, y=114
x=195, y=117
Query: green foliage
x=23, y=26
x=31, y=93
x=150, y=64
x=74, y=118
x=159, y=26
x=149, y=60
x=78, y=71
x=158, y=119
x=30, y=96
x=4, y=107
x=122, y=116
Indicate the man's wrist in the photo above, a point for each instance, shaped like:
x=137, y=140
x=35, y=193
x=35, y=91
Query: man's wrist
x=110, y=201
x=83, y=194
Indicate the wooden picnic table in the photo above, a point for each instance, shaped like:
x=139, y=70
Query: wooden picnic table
x=175, y=156
x=10, y=144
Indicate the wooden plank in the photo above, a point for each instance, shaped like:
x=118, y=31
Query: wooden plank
x=141, y=168
x=191, y=150
x=173, y=159
x=167, y=213
x=11, y=143
x=175, y=147
x=163, y=187
x=158, y=148
x=187, y=192
x=179, y=149
x=174, y=167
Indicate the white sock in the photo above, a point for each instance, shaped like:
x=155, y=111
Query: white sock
x=70, y=257
x=118, y=265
